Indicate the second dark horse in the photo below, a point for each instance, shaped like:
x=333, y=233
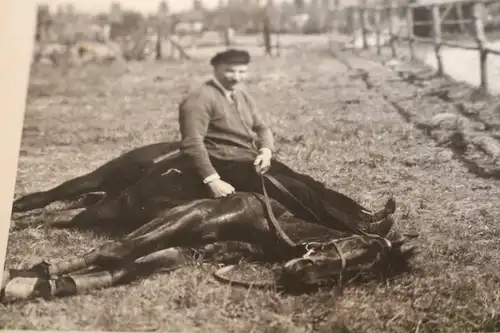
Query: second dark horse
x=135, y=186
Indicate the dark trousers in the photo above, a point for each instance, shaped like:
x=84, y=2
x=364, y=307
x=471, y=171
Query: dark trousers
x=323, y=202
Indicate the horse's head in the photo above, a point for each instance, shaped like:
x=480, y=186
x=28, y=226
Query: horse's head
x=350, y=259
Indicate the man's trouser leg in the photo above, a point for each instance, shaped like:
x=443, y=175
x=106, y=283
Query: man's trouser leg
x=242, y=176
x=336, y=199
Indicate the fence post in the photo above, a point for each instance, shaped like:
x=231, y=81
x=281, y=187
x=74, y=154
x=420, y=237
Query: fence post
x=436, y=28
x=266, y=30
x=392, y=30
x=363, y=22
x=159, y=39
x=460, y=16
x=337, y=16
x=480, y=38
x=335, y=24
x=353, y=21
x=411, y=36
x=377, y=19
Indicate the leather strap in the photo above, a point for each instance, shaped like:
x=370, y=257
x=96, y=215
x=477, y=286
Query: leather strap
x=272, y=218
x=340, y=216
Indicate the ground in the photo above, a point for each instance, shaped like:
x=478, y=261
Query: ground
x=331, y=122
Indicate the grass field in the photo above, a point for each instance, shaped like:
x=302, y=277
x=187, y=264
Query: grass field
x=329, y=123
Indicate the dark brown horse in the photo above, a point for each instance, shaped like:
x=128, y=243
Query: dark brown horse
x=166, y=240
x=136, y=185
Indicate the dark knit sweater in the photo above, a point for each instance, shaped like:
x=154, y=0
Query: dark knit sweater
x=211, y=126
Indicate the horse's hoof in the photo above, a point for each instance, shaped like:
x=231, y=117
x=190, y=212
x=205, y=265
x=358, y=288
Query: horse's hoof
x=29, y=202
x=397, y=239
x=37, y=271
x=25, y=288
x=19, y=206
x=381, y=228
x=390, y=206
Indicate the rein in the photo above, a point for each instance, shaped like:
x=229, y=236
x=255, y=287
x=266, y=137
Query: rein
x=308, y=247
x=271, y=215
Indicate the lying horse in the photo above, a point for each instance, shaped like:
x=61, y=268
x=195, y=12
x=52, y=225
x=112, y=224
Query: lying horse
x=136, y=185
x=166, y=208
x=164, y=242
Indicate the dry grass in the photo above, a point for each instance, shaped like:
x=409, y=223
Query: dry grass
x=329, y=125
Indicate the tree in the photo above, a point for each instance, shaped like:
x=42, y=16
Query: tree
x=197, y=5
x=163, y=8
x=102, y=18
x=43, y=21
x=161, y=27
x=266, y=31
x=115, y=13
x=300, y=6
x=60, y=10
x=129, y=24
x=70, y=9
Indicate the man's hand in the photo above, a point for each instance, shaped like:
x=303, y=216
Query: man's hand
x=263, y=161
x=220, y=188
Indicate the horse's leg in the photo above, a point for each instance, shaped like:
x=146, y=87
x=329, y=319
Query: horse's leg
x=106, y=213
x=86, y=200
x=47, y=285
x=144, y=240
x=60, y=220
x=165, y=260
x=111, y=178
x=66, y=191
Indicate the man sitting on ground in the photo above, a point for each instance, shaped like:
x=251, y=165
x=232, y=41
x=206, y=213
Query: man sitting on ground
x=230, y=146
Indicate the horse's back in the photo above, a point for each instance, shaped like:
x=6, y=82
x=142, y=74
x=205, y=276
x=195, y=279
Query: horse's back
x=148, y=153
x=125, y=170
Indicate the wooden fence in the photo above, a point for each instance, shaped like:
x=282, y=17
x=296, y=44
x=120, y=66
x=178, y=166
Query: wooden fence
x=365, y=16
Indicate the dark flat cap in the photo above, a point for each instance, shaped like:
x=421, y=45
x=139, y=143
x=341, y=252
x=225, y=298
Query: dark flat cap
x=231, y=57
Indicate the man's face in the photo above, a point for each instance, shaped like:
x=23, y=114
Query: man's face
x=230, y=75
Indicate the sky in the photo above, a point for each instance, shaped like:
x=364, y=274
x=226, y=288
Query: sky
x=144, y=6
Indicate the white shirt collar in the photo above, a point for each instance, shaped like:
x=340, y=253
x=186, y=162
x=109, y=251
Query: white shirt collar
x=227, y=93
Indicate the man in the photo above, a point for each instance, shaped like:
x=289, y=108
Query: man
x=229, y=145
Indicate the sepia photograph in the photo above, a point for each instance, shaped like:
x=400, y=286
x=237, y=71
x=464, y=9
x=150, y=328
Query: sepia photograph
x=253, y=166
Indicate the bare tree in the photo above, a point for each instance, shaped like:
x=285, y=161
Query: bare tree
x=162, y=17
x=266, y=27
x=43, y=22
x=300, y=6
x=198, y=5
